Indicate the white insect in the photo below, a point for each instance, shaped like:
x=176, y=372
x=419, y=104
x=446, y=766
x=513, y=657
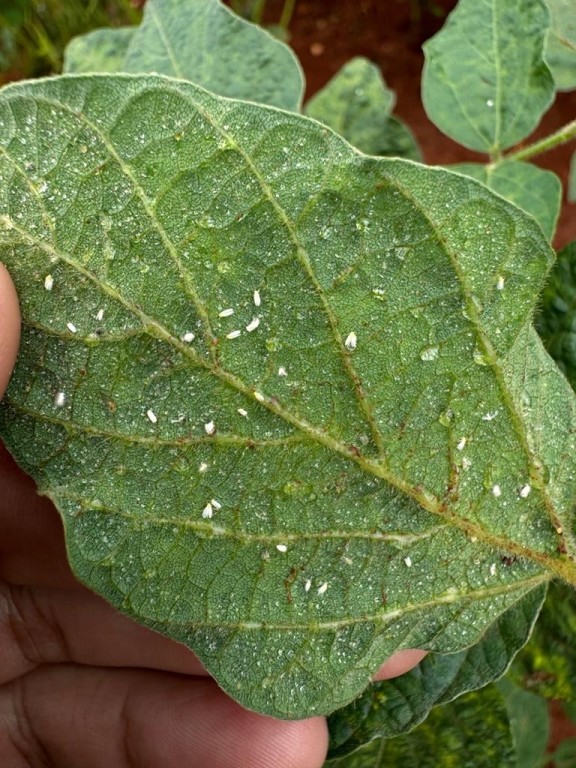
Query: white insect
x=242, y=412
x=257, y=300
x=152, y=416
x=59, y=399
x=253, y=324
x=497, y=491
x=71, y=327
x=233, y=334
x=188, y=336
x=207, y=512
x=100, y=314
x=307, y=585
x=281, y=547
x=259, y=396
x=500, y=283
x=226, y=312
x=210, y=428
x=525, y=491
x=203, y=467
x=322, y=588
x=48, y=282
x=216, y=504
x=282, y=371
x=408, y=562
x=461, y=444
x=351, y=341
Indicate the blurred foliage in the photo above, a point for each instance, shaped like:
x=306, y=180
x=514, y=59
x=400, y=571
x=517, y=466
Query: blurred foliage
x=34, y=33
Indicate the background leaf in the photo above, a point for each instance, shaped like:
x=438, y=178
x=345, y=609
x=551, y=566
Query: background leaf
x=371, y=452
x=560, y=52
x=485, y=85
x=557, y=314
x=391, y=707
x=102, y=50
x=204, y=42
x=198, y=40
x=529, y=723
x=474, y=730
x=533, y=189
x=357, y=104
x=547, y=665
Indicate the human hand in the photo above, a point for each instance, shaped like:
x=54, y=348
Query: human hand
x=80, y=684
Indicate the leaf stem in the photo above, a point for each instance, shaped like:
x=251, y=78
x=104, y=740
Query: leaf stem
x=561, y=136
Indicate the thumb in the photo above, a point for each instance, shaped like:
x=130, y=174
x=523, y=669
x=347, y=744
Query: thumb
x=9, y=327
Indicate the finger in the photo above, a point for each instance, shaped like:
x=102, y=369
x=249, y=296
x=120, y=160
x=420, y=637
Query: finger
x=70, y=716
x=32, y=549
x=54, y=626
x=9, y=327
x=399, y=663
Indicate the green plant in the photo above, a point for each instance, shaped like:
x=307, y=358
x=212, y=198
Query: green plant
x=320, y=365
x=34, y=33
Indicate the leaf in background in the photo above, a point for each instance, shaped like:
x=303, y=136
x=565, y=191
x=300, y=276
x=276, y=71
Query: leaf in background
x=391, y=707
x=204, y=42
x=547, y=664
x=560, y=52
x=473, y=732
x=485, y=85
x=536, y=191
x=357, y=104
x=565, y=754
x=529, y=722
x=102, y=50
x=556, y=320
x=198, y=40
x=286, y=397
x=571, y=192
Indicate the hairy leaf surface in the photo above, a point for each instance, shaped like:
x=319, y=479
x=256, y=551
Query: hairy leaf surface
x=485, y=85
x=535, y=190
x=391, y=707
x=286, y=397
x=357, y=104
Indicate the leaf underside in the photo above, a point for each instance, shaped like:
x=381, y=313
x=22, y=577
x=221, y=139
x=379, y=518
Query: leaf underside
x=536, y=191
x=392, y=707
x=371, y=452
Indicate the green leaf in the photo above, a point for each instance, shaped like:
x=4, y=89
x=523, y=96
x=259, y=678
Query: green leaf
x=204, y=42
x=473, y=732
x=536, y=191
x=565, y=754
x=547, y=665
x=484, y=84
x=331, y=473
x=389, y=708
x=197, y=40
x=529, y=722
x=102, y=50
x=556, y=321
x=560, y=53
x=357, y=104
